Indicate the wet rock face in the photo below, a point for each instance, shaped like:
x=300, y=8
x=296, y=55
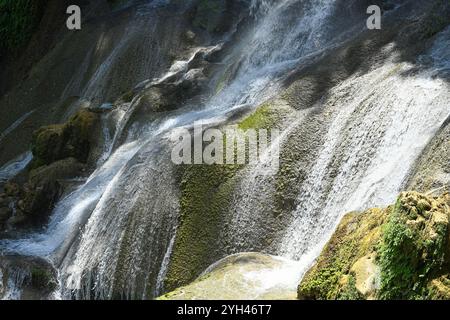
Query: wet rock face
x=72, y=139
x=30, y=203
x=401, y=252
x=26, y=278
x=432, y=170
x=44, y=186
x=216, y=16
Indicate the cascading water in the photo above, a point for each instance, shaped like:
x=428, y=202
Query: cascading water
x=372, y=143
x=113, y=236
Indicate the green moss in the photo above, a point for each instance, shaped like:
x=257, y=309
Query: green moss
x=265, y=117
x=331, y=278
x=42, y=279
x=409, y=243
x=408, y=255
x=206, y=193
x=349, y=291
x=69, y=140
x=18, y=21
x=325, y=282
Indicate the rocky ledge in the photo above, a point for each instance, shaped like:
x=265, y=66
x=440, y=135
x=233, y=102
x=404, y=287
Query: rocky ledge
x=401, y=252
x=60, y=152
x=241, y=276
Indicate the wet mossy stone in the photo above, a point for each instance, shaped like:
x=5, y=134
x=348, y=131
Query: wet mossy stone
x=42, y=279
x=209, y=14
x=206, y=193
x=44, y=187
x=39, y=277
x=408, y=246
x=72, y=139
x=331, y=277
x=206, y=196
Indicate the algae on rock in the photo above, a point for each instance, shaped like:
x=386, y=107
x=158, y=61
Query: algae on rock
x=71, y=139
x=401, y=252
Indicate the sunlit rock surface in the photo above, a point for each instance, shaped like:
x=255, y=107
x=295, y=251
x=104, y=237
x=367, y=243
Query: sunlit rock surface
x=241, y=277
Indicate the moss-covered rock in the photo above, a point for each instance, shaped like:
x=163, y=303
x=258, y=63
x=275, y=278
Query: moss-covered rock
x=35, y=199
x=413, y=247
x=206, y=195
x=30, y=278
x=44, y=186
x=72, y=139
x=238, y=277
x=265, y=117
x=401, y=252
x=332, y=276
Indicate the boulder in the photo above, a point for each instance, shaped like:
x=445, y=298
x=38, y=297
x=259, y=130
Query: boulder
x=400, y=252
x=72, y=139
x=244, y=276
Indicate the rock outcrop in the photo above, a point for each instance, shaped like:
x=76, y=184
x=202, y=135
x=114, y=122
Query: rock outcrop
x=401, y=252
x=60, y=152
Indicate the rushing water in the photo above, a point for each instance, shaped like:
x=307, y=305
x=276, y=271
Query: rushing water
x=113, y=236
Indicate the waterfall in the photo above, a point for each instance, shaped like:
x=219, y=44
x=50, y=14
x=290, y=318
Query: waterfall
x=125, y=239
x=113, y=235
x=377, y=137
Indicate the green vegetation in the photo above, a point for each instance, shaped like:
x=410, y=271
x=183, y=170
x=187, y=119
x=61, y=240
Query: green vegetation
x=333, y=276
x=264, y=117
x=18, y=21
x=206, y=193
x=401, y=252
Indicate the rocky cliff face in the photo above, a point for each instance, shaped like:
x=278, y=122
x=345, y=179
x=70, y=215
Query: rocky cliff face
x=363, y=115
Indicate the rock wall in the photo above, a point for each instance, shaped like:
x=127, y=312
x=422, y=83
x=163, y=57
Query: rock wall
x=401, y=252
